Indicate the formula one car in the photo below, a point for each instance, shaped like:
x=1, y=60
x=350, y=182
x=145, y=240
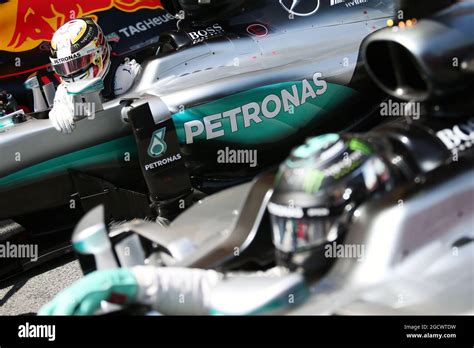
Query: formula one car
x=260, y=76
x=398, y=197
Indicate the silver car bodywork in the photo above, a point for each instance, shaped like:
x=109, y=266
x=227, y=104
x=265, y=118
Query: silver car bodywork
x=328, y=42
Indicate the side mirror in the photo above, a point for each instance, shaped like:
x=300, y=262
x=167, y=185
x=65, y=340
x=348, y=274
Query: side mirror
x=90, y=238
x=43, y=95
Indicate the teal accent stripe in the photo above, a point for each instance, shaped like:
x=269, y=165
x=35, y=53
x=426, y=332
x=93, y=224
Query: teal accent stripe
x=268, y=131
x=300, y=292
x=91, y=155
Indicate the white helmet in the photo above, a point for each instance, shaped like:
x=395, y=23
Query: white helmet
x=80, y=51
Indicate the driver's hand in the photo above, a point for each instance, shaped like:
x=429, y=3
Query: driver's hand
x=62, y=113
x=84, y=297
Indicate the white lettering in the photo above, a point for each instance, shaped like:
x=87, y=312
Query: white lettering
x=265, y=110
x=288, y=97
x=253, y=112
x=232, y=115
x=211, y=128
x=188, y=129
x=251, y=116
x=320, y=83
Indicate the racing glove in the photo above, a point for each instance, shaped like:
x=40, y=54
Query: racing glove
x=171, y=291
x=62, y=113
x=85, y=296
x=125, y=76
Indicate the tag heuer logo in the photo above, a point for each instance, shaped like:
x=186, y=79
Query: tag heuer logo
x=157, y=145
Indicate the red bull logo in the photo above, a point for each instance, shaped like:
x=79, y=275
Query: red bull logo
x=25, y=24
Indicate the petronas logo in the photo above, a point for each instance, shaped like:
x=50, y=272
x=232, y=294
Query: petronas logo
x=157, y=145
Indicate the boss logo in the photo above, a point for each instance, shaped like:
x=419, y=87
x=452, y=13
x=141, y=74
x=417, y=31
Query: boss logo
x=458, y=138
x=204, y=34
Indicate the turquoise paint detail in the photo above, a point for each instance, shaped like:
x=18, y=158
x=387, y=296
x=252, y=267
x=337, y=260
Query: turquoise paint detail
x=270, y=129
x=97, y=86
x=300, y=294
x=302, y=155
x=315, y=144
x=85, y=296
x=6, y=122
x=157, y=144
x=92, y=155
x=93, y=243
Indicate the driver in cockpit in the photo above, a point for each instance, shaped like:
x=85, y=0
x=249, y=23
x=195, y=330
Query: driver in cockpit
x=80, y=51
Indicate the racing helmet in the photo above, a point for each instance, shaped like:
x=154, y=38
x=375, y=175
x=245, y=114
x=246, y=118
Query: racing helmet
x=316, y=191
x=80, y=51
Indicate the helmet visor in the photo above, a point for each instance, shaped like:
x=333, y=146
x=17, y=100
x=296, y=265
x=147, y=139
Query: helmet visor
x=300, y=234
x=70, y=67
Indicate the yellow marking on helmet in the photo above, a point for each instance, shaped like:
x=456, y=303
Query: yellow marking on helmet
x=81, y=32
